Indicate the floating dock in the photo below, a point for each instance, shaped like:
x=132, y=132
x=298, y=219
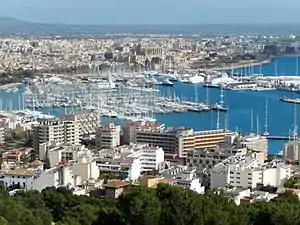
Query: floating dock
x=282, y=138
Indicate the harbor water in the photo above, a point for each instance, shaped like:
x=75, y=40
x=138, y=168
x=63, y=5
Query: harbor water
x=239, y=103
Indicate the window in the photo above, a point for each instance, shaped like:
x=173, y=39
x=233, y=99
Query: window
x=13, y=176
x=24, y=185
x=23, y=177
x=18, y=177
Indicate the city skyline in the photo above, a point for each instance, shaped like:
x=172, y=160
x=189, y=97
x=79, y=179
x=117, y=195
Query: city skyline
x=152, y=12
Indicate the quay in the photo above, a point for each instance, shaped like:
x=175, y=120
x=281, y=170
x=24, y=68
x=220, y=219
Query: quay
x=282, y=138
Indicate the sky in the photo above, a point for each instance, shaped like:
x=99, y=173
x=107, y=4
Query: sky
x=153, y=11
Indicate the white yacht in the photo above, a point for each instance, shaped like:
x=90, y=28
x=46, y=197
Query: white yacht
x=196, y=79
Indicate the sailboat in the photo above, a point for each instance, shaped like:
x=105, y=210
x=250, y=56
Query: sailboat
x=220, y=106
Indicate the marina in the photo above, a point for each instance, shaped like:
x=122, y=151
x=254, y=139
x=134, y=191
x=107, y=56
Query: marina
x=180, y=94
x=130, y=100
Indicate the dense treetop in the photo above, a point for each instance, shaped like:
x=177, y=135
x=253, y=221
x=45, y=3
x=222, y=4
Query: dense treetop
x=164, y=206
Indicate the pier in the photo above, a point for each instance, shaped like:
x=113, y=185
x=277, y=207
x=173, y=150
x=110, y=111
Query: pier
x=282, y=138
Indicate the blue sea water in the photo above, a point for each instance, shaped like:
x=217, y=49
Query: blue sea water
x=239, y=103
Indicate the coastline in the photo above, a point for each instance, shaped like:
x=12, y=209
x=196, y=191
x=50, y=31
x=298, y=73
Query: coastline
x=242, y=65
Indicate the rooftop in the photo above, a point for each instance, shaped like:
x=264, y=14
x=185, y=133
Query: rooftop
x=36, y=163
x=116, y=184
x=19, y=171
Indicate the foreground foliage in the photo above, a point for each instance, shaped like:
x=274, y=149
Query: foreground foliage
x=163, y=206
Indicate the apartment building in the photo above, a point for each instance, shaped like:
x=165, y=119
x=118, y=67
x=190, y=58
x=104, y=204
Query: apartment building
x=8, y=122
x=291, y=151
x=63, y=153
x=244, y=171
x=152, y=133
x=208, y=158
x=232, y=145
x=88, y=121
x=108, y=136
x=175, y=142
x=53, y=130
x=131, y=160
x=2, y=134
x=72, y=173
x=189, y=140
x=14, y=155
x=255, y=143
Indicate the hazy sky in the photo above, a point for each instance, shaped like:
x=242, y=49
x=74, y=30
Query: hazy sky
x=153, y=11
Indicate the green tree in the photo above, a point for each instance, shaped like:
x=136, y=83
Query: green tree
x=289, y=183
x=140, y=206
x=3, y=221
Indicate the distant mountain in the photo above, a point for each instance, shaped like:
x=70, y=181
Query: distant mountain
x=11, y=26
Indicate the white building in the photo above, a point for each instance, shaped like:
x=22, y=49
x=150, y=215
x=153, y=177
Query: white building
x=72, y=173
x=183, y=177
x=63, y=153
x=131, y=160
x=241, y=171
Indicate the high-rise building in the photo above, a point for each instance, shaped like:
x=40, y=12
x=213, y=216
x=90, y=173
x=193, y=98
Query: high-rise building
x=56, y=131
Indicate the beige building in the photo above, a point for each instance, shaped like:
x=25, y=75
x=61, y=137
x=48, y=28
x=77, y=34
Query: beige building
x=88, y=121
x=175, y=142
x=108, y=136
x=232, y=145
x=57, y=131
x=291, y=151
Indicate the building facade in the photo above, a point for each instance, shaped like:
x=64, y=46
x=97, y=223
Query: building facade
x=241, y=171
x=175, y=142
x=131, y=160
x=108, y=136
x=88, y=121
x=58, y=131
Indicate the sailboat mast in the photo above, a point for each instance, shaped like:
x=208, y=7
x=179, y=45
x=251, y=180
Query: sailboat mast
x=266, y=119
x=295, y=133
x=206, y=95
x=196, y=94
x=218, y=119
x=257, y=125
x=297, y=66
x=221, y=94
x=251, y=125
x=226, y=122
